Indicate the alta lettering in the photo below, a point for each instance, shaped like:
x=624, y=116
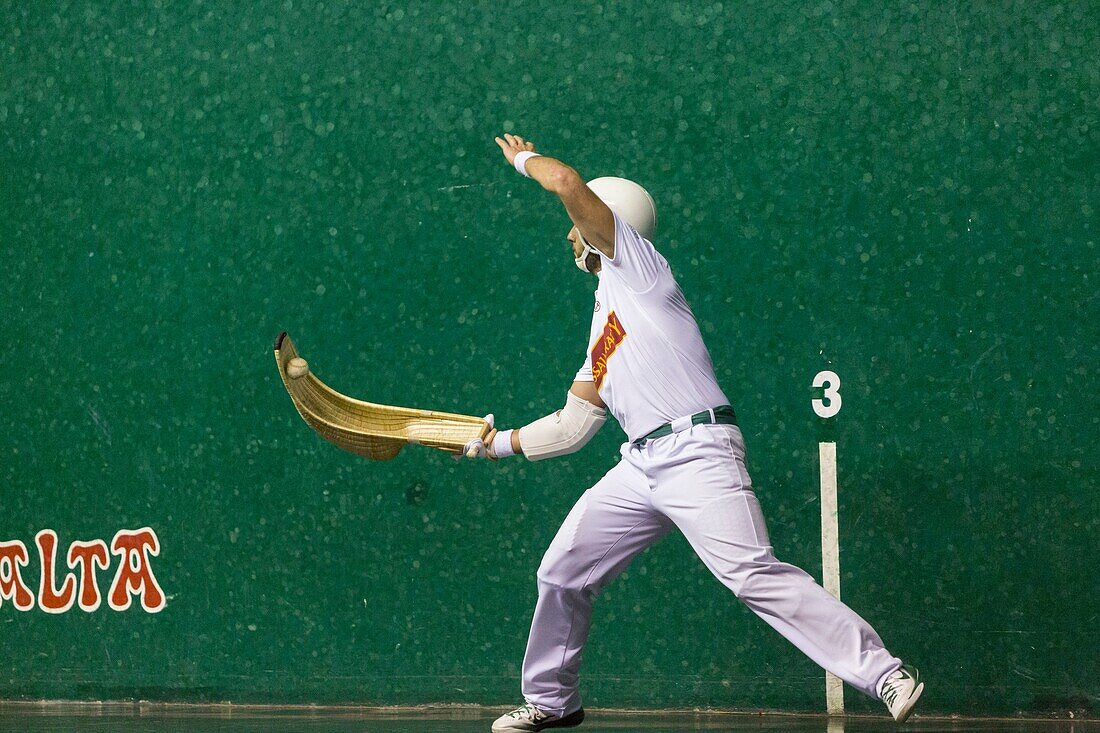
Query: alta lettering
x=133, y=576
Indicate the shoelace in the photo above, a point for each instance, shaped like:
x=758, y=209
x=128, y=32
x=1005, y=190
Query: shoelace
x=893, y=687
x=530, y=710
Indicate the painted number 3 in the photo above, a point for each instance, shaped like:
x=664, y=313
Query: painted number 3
x=828, y=403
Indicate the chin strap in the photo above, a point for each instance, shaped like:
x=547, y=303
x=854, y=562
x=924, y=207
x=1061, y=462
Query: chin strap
x=582, y=261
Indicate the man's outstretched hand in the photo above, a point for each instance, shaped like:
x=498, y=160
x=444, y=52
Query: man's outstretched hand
x=478, y=447
x=511, y=145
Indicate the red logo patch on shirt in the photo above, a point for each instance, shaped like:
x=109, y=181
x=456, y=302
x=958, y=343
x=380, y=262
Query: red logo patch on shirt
x=613, y=335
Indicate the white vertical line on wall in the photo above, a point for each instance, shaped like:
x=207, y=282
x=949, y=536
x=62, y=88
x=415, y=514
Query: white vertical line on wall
x=830, y=558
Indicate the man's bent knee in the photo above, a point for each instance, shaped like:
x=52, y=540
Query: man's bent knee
x=562, y=572
x=770, y=584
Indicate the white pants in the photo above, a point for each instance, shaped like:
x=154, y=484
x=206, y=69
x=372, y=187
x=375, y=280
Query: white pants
x=696, y=481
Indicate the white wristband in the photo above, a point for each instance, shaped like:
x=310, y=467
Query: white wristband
x=520, y=161
x=502, y=444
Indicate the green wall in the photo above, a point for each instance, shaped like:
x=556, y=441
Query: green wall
x=903, y=193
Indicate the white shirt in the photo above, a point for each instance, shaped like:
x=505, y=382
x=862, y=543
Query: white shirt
x=645, y=352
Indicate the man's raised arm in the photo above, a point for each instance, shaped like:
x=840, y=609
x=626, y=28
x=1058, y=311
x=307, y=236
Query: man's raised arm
x=591, y=216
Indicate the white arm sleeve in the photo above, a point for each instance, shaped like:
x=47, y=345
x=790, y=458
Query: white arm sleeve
x=563, y=432
x=584, y=374
x=636, y=262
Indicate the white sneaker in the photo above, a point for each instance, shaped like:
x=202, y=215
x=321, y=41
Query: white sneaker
x=529, y=718
x=900, y=692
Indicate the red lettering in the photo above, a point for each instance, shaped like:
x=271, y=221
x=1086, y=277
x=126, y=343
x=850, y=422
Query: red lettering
x=613, y=335
x=50, y=599
x=135, y=575
x=87, y=555
x=12, y=555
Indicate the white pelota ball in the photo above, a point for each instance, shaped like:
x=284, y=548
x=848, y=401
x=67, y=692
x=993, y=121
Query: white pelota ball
x=297, y=368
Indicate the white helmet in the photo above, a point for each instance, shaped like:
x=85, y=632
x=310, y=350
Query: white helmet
x=630, y=201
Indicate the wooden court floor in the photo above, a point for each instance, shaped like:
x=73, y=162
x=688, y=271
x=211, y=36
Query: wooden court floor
x=29, y=717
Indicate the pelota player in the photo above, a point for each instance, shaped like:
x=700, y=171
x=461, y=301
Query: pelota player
x=683, y=466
